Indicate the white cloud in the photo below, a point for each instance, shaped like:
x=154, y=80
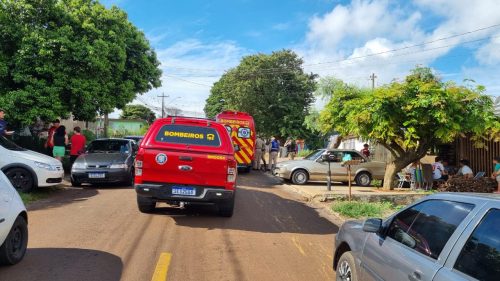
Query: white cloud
x=336, y=40
x=190, y=67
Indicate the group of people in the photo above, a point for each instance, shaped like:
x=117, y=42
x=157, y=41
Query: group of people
x=58, y=139
x=273, y=147
x=441, y=171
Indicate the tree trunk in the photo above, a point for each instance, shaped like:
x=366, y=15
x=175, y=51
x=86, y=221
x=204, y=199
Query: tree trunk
x=106, y=124
x=392, y=169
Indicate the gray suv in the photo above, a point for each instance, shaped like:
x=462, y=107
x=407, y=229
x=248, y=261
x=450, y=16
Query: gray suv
x=442, y=237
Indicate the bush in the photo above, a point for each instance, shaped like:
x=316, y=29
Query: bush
x=377, y=183
x=356, y=209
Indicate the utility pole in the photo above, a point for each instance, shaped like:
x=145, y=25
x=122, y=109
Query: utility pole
x=373, y=77
x=163, y=96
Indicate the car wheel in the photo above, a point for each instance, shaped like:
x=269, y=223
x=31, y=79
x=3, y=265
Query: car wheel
x=75, y=183
x=300, y=177
x=21, y=179
x=346, y=270
x=13, y=249
x=131, y=180
x=363, y=179
x=226, y=208
x=146, y=204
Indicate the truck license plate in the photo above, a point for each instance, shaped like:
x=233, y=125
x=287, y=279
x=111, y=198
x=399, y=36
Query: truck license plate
x=181, y=190
x=97, y=175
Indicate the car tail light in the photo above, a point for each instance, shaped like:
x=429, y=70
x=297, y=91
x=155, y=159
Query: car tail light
x=232, y=170
x=138, y=167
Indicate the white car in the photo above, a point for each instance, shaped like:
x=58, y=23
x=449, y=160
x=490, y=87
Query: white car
x=13, y=224
x=27, y=169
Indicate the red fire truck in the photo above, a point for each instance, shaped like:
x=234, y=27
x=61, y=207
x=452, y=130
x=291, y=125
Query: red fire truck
x=241, y=128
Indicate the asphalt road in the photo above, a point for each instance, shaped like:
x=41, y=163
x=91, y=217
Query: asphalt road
x=98, y=234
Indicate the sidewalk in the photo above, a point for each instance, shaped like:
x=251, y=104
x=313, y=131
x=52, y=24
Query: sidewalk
x=318, y=191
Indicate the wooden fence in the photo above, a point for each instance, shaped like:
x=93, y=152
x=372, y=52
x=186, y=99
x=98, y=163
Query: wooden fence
x=481, y=159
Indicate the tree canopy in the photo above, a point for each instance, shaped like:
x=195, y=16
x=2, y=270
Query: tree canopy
x=272, y=88
x=70, y=56
x=138, y=112
x=408, y=117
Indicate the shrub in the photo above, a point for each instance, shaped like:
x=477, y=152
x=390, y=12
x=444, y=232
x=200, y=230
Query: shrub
x=377, y=183
x=356, y=209
x=303, y=153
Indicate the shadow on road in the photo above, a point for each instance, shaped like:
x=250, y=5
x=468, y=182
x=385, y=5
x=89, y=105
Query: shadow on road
x=256, y=211
x=63, y=197
x=53, y=264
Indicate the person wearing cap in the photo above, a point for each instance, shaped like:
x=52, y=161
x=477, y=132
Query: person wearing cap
x=3, y=125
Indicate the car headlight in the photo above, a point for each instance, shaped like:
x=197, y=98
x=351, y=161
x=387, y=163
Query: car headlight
x=78, y=166
x=45, y=166
x=119, y=166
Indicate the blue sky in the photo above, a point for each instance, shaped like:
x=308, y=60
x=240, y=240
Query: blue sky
x=197, y=40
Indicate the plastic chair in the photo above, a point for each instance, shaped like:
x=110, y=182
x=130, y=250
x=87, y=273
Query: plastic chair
x=402, y=180
x=479, y=175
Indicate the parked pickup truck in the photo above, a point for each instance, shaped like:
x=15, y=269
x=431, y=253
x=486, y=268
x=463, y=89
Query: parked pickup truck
x=186, y=161
x=442, y=237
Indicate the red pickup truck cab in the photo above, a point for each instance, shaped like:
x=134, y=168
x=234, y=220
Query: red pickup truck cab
x=185, y=160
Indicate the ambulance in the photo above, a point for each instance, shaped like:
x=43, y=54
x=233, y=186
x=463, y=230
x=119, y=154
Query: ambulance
x=241, y=128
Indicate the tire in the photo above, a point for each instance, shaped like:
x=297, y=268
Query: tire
x=146, y=205
x=300, y=177
x=226, y=208
x=131, y=180
x=363, y=179
x=21, y=179
x=75, y=183
x=346, y=268
x=13, y=249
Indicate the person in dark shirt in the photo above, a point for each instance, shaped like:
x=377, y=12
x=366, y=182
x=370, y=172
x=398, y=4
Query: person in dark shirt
x=60, y=140
x=3, y=125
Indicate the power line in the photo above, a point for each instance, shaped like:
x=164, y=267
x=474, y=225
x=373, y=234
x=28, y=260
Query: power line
x=188, y=81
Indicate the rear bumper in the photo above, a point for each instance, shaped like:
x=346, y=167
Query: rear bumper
x=111, y=176
x=159, y=192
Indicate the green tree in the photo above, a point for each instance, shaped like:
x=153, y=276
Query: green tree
x=138, y=112
x=408, y=117
x=70, y=56
x=272, y=88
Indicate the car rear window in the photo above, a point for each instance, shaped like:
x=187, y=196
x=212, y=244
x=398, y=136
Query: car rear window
x=181, y=134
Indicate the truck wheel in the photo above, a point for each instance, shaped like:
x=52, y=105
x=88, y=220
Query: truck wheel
x=346, y=269
x=13, y=249
x=226, y=208
x=300, y=177
x=21, y=179
x=363, y=179
x=146, y=204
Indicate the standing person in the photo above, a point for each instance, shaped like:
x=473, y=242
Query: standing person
x=291, y=148
x=366, y=150
x=273, y=153
x=496, y=173
x=438, y=170
x=59, y=140
x=49, y=145
x=3, y=125
x=77, y=144
x=260, y=149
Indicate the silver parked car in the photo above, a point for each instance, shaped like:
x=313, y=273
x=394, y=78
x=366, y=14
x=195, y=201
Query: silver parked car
x=442, y=237
x=313, y=168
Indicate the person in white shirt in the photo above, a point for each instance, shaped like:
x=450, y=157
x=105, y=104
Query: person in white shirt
x=465, y=171
x=438, y=170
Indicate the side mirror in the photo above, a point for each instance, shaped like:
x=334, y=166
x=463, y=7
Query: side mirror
x=372, y=225
x=236, y=148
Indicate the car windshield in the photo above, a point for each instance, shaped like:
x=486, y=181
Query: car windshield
x=8, y=144
x=108, y=146
x=314, y=155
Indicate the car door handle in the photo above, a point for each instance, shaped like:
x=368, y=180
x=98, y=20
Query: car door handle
x=186, y=158
x=2, y=220
x=415, y=276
